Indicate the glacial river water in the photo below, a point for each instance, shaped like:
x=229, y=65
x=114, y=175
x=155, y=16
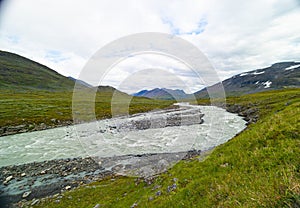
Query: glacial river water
x=118, y=136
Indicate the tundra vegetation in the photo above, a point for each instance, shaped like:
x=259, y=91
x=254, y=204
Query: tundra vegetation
x=259, y=167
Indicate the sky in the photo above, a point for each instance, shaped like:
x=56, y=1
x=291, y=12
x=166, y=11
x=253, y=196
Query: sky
x=236, y=36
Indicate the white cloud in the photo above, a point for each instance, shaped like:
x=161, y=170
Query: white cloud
x=148, y=71
x=236, y=36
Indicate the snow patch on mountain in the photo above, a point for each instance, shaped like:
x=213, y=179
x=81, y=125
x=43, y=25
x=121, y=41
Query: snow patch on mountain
x=292, y=67
x=258, y=73
x=267, y=84
x=243, y=74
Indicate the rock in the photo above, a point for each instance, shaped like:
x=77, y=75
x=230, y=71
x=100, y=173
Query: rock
x=16, y=128
x=134, y=205
x=3, y=130
x=26, y=194
x=41, y=126
x=158, y=193
x=97, y=206
x=34, y=202
x=23, y=174
x=250, y=111
x=68, y=187
x=31, y=126
x=156, y=187
x=57, y=201
x=117, y=167
x=224, y=165
x=162, y=119
x=43, y=172
x=150, y=198
x=8, y=179
x=171, y=188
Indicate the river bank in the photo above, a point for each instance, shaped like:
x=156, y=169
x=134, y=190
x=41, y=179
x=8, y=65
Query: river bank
x=33, y=181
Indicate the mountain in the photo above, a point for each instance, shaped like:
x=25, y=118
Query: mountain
x=112, y=90
x=162, y=93
x=80, y=82
x=20, y=73
x=278, y=76
x=106, y=89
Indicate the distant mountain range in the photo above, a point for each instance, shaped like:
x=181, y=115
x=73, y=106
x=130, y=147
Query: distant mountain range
x=20, y=73
x=162, y=93
x=278, y=76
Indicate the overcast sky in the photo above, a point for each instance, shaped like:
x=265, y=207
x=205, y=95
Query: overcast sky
x=235, y=35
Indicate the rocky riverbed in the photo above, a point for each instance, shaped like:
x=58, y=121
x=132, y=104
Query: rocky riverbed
x=30, y=127
x=20, y=183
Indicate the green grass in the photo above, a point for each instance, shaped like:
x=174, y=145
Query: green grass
x=33, y=108
x=258, y=168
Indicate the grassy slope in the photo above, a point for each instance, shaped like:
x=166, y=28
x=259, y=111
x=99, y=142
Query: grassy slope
x=20, y=73
x=258, y=168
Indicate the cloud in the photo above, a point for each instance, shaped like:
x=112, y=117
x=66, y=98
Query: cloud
x=147, y=71
x=198, y=28
x=152, y=78
x=236, y=36
x=55, y=56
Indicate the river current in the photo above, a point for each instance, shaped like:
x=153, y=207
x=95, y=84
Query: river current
x=120, y=136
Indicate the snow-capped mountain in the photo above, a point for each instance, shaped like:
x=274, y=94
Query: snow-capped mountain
x=278, y=76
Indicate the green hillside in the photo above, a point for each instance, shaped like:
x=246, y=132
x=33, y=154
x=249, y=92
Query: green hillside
x=260, y=167
x=20, y=73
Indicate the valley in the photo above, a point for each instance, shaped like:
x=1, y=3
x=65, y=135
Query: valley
x=264, y=159
x=255, y=167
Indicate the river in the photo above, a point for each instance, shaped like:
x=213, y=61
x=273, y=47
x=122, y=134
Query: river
x=151, y=132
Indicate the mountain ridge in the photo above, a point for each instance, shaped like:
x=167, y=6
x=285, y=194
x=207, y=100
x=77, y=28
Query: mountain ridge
x=277, y=76
x=162, y=93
